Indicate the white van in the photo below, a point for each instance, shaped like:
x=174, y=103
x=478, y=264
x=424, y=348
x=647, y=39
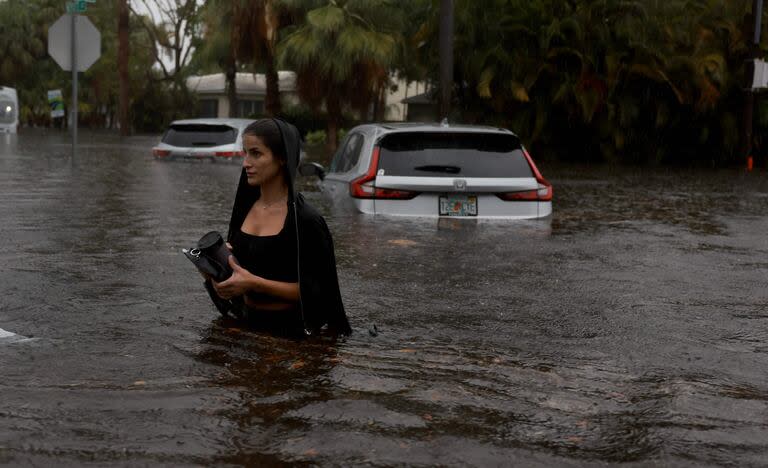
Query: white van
x=9, y=110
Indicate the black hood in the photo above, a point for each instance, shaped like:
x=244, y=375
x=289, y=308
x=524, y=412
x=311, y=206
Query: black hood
x=292, y=142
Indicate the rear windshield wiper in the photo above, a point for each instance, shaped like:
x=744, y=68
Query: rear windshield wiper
x=438, y=168
x=203, y=143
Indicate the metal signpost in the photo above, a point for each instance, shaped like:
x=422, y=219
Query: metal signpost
x=75, y=44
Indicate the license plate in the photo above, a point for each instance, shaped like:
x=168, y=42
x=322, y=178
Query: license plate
x=458, y=205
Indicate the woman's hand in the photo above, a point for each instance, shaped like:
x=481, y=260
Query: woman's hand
x=238, y=284
x=208, y=277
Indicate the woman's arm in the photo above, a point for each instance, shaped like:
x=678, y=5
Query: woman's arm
x=243, y=281
x=277, y=289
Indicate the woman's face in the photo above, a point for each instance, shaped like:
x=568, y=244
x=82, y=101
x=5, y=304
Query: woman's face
x=260, y=164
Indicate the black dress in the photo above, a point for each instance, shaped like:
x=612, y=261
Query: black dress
x=273, y=258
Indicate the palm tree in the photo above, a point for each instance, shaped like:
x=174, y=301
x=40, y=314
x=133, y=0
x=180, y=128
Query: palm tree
x=244, y=33
x=446, y=56
x=255, y=35
x=20, y=42
x=24, y=61
x=342, y=54
x=620, y=76
x=219, y=43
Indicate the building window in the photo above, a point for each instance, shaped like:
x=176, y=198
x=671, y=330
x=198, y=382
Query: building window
x=208, y=108
x=248, y=109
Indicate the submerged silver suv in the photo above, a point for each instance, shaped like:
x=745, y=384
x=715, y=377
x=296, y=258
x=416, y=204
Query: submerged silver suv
x=434, y=170
x=210, y=139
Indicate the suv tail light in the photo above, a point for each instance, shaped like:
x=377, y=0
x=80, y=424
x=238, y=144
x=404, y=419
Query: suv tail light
x=390, y=194
x=542, y=193
x=229, y=154
x=160, y=153
x=362, y=187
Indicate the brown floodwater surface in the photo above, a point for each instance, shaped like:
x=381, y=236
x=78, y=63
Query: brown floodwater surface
x=631, y=327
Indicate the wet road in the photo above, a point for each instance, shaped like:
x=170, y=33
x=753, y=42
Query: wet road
x=632, y=328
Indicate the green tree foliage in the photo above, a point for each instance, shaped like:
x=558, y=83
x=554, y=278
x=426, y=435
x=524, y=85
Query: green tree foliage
x=242, y=35
x=616, y=80
x=99, y=86
x=256, y=29
x=157, y=97
x=26, y=66
x=342, y=52
x=21, y=41
x=651, y=80
x=216, y=49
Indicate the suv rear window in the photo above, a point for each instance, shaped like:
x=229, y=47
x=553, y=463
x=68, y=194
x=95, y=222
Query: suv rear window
x=199, y=135
x=452, y=154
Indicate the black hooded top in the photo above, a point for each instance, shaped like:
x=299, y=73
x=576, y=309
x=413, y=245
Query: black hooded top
x=319, y=296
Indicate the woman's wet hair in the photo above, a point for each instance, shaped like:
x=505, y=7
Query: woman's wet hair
x=267, y=130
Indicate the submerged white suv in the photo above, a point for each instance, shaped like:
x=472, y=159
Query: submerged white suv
x=435, y=170
x=210, y=139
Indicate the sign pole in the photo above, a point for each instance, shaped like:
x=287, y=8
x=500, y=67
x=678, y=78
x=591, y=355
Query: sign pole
x=75, y=55
x=74, y=84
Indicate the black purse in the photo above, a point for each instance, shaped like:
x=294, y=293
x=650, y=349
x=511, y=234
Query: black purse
x=211, y=257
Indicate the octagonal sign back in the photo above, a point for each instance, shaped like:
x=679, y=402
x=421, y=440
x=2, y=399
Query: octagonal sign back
x=88, y=42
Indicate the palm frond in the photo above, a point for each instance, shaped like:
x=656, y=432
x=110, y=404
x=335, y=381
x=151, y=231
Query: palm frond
x=519, y=92
x=484, y=83
x=328, y=19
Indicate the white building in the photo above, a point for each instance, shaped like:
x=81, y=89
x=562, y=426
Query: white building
x=398, y=98
x=251, y=90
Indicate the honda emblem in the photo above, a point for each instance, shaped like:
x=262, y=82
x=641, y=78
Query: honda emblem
x=460, y=184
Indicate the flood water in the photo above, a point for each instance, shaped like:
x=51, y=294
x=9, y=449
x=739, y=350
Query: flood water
x=631, y=328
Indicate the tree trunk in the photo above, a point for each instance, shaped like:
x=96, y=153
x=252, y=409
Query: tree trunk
x=231, y=75
x=272, y=104
x=446, y=57
x=122, y=66
x=380, y=113
x=334, y=119
x=373, y=114
x=749, y=95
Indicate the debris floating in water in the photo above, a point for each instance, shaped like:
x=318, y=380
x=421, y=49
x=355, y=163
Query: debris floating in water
x=403, y=242
x=10, y=337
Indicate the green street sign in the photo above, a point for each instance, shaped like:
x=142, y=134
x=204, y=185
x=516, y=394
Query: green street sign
x=78, y=6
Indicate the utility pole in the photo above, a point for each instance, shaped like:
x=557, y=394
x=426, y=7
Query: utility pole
x=749, y=99
x=123, y=51
x=446, y=57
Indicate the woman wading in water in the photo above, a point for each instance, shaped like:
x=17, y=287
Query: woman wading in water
x=285, y=269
